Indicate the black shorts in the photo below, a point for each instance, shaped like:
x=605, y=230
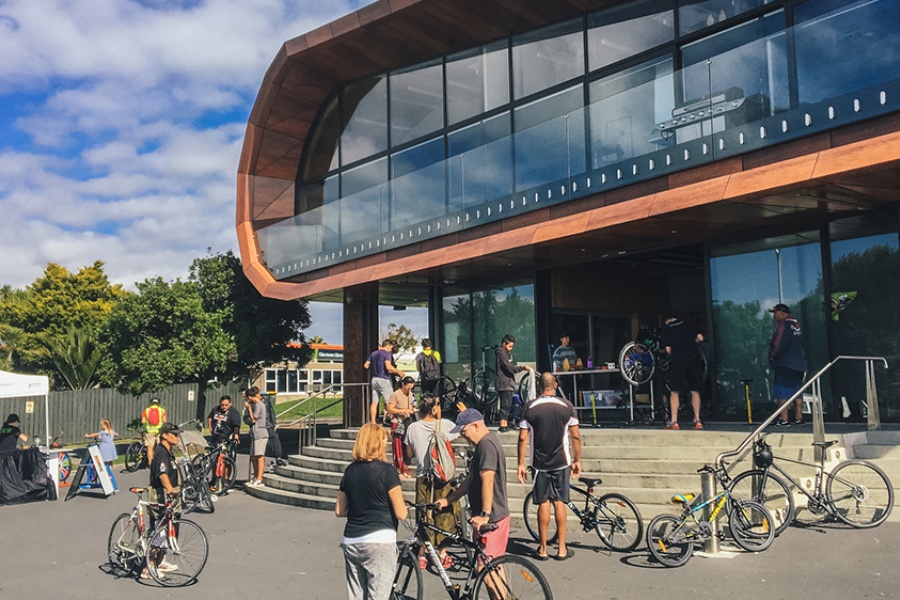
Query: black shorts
x=684, y=375
x=551, y=485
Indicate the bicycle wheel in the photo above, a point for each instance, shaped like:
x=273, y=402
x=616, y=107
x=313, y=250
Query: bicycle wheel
x=636, y=363
x=511, y=576
x=768, y=489
x=530, y=514
x=222, y=474
x=185, y=554
x=860, y=494
x=484, y=391
x=618, y=522
x=65, y=466
x=134, y=456
x=668, y=541
x=408, y=578
x=751, y=525
x=124, y=545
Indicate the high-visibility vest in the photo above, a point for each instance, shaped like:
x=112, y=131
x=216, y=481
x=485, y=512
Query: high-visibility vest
x=145, y=416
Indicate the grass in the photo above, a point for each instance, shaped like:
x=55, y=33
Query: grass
x=306, y=408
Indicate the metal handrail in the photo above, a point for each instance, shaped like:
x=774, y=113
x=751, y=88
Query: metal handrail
x=303, y=401
x=818, y=419
x=308, y=435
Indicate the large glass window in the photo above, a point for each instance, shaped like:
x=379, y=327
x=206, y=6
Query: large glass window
x=843, y=47
x=547, y=57
x=625, y=109
x=619, y=33
x=480, y=157
x=746, y=281
x=417, y=184
x=322, y=151
x=417, y=103
x=477, y=82
x=365, y=117
x=549, y=139
x=496, y=312
x=697, y=14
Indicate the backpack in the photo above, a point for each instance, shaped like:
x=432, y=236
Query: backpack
x=153, y=416
x=440, y=452
x=431, y=368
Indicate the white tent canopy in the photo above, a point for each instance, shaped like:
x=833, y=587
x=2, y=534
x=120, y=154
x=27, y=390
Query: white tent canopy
x=14, y=385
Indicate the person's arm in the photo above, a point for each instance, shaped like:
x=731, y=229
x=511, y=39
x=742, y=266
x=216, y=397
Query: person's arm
x=521, y=472
x=487, y=498
x=144, y=418
x=170, y=489
x=575, y=436
x=395, y=494
x=250, y=413
x=455, y=495
x=340, y=507
x=235, y=423
x=392, y=369
x=367, y=364
x=92, y=435
x=209, y=423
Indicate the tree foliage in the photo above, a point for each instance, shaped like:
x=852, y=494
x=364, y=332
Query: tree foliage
x=404, y=336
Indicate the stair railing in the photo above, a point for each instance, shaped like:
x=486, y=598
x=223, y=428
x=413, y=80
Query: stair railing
x=308, y=423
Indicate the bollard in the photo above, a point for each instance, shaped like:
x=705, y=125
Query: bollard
x=707, y=492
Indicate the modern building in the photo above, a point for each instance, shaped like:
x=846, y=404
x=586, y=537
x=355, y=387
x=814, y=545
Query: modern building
x=529, y=167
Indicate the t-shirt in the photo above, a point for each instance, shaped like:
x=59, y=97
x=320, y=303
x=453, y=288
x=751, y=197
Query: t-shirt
x=682, y=340
x=369, y=507
x=400, y=400
x=163, y=464
x=418, y=436
x=489, y=457
x=258, y=430
x=224, y=422
x=9, y=437
x=548, y=419
x=564, y=352
x=107, y=446
x=376, y=364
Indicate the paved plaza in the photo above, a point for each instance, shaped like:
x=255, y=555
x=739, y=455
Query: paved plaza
x=263, y=550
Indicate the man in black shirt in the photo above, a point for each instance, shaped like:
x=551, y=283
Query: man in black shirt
x=10, y=434
x=224, y=421
x=163, y=483
x=685, y=368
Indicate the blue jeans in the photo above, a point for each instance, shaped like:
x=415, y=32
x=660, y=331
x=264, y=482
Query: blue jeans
x=370, y=570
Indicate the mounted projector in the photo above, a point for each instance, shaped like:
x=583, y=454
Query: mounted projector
x=711, y=114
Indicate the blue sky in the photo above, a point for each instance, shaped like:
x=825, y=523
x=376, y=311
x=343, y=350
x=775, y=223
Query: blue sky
x=121, y=124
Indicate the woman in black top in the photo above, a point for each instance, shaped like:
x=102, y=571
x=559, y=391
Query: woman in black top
x=371, y=499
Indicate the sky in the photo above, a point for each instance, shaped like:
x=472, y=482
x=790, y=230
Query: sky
x=121, y=125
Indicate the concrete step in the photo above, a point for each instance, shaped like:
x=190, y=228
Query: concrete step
x=272, y=494
x=876, y=451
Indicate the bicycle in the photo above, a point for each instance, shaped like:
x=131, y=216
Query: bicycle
x=506, y=576
x=613, y=516
x=640, y=360
x=855, y=492
x=184, y=545
x=195, y=492
x=218, y=464
x=671, y=539
x=136, y=453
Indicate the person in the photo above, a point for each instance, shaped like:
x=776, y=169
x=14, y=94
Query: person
x=224, y=422
x=428, y=364
x=371, y=500
x=273, y=445
x=787, y=359
x=399, y=409
x=380, y=367
x=152, y=418
x=429, y=488
x=485, y=483
x=549, y=424
x=163, y=484
x=685, y=368
x=504, y=378
x=10, y=434
x=564, y=352
x=259, y=434
x=107, y=436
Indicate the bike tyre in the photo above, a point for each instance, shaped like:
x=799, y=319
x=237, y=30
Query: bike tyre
x=530, y=515
x=523, y=579
x=751, y=525
x=771, y=491
x=134, y=456
x=618, y=522
x=668, y=553
x=188, y=551
x=636, y=363
x=878, y=494
x=124, y=529
x=407, y=578
x=229, y=473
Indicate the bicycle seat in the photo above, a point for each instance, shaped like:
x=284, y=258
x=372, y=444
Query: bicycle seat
x=487, y=527
x=138, y=490
x=590, y=482
x=682, y=498
x=825, y=444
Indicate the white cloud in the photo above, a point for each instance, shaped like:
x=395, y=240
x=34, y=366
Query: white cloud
x=127, y=145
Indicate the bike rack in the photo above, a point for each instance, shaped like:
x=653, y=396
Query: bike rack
x=818, y=421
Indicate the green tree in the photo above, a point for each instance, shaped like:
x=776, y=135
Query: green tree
x=76, y=358
x=404, y=336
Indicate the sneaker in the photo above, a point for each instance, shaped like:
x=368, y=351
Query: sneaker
x=698, y=425
x=145, y=574
x=782, y=423
x=259, y=483
x=446, y=561
x=797, y=422
x=673, y=426
x=281, y=462
x=503, y=429
x=423, y=563
x=165, y=567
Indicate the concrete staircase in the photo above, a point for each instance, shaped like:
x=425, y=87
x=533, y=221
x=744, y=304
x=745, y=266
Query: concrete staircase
x=647, y=465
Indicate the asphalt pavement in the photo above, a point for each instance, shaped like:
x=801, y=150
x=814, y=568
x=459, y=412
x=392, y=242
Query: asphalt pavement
x=262, y=550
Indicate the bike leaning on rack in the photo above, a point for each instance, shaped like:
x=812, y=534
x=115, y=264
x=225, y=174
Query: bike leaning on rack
x=855, y=492
x=671, y=539
x=506, y=576
x=183, y=544
x=136, y=453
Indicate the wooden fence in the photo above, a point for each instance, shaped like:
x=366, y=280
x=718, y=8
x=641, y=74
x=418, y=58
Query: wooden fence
x=75, y=413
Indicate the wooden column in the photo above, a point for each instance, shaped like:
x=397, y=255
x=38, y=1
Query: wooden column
x=360, y=339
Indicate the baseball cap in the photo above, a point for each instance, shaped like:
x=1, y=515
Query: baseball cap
x=781, y=307
x=169, y=428
x=466, y=417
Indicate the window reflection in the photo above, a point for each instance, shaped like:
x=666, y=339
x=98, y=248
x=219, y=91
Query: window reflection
x=477, y=82
x=417, y=185
x=417, y=103
x=547, y=57
x=697, y=14
x=322, y=152
x=365, y=114
x=823, y=33
x=620, y=33
x=480, y=156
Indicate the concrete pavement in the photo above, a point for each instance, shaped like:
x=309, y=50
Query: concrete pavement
x=262, y=550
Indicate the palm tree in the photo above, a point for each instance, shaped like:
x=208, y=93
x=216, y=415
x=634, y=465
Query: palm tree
x=10, y=338
x=75, y=357
x=316, y=340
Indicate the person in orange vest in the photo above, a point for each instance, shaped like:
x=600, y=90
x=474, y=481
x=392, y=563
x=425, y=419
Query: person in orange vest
x=153, y=418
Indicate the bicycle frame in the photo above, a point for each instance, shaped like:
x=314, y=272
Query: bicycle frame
x=817, y=496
